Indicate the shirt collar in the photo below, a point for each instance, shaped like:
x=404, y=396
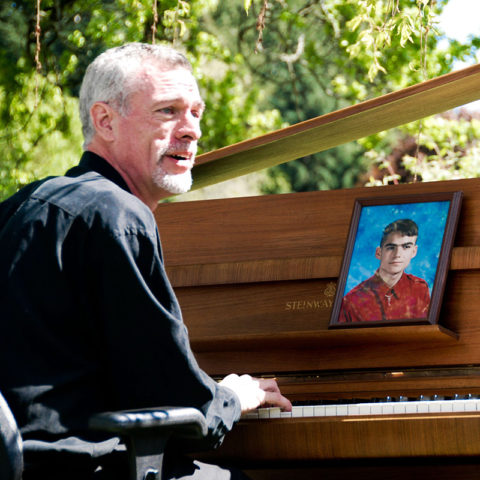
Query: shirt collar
x=93, y=162
x=382, y=286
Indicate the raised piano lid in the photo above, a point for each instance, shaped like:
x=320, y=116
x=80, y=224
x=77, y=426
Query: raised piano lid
x=351, y=123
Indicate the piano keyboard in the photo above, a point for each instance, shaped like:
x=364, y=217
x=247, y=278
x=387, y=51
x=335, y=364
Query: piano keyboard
x=370, y=408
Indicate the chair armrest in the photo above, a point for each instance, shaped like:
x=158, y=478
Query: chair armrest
x=146, y=432
x=179, y=421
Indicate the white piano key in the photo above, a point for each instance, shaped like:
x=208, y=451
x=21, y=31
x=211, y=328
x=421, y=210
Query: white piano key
x=331, y=411
x=275, y=412
x=458, y=405
x=297, y=412
x=319, y=410
x=471, y=405
x=342, y=410
x=411, y=407
x=387, y=408
x=308, y=411
x=399, y=407
x=263, y=413
x=446, y=406
x=365, y=408
x=434, y=407
x=352, y=409
x=423, y=407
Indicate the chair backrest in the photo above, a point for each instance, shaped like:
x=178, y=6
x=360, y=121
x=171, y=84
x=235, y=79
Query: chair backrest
x=11, y=451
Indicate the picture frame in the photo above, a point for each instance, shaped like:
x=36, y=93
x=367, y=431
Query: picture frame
x=390, y=275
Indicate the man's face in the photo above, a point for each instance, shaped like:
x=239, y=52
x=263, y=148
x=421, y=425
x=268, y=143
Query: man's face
x=156, y=138
x=396, y=253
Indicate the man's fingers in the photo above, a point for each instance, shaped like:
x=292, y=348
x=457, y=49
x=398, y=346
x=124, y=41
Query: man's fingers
x=276, y=399
x=254, y=392
x=268, y=384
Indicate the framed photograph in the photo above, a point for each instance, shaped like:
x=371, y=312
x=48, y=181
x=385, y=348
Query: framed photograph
x=396, y=260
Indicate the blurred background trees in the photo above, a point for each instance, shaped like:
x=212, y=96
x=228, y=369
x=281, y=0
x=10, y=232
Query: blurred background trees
x=261, y=65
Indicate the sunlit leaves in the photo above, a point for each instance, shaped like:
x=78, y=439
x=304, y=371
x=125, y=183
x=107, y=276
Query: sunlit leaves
x=450, y=147
x=317, y=56
x=40, y=137
x=379, y=24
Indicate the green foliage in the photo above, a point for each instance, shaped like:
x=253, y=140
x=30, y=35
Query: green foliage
x=442, y=147
x=452, y=148
x=381, y=24
x=314, y=57
x=317, y=57
x=41, y=131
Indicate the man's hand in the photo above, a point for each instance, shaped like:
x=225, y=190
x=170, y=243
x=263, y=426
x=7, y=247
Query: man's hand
x=256, y=392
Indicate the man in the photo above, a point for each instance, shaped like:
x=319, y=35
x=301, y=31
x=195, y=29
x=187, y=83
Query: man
x=390, y=294
x=89, y=320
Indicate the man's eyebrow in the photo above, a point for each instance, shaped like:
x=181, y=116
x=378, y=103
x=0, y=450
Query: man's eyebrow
x=398, y=244
x=174, y=99
x=201, y=105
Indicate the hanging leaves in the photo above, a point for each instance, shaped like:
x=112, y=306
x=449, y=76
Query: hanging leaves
x=378, y=21
x=175, y=19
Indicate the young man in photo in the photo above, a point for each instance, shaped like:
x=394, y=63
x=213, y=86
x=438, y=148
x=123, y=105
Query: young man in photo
x=390, y=294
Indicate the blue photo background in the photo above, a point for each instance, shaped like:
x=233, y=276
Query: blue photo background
x=430, y=217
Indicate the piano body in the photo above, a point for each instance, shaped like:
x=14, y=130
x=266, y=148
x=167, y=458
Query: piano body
x=256, y=279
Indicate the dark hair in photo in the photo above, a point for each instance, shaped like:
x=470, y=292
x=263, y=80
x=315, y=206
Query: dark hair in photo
x=405, y=226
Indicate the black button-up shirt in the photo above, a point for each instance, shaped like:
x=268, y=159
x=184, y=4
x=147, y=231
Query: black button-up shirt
x=89, y=321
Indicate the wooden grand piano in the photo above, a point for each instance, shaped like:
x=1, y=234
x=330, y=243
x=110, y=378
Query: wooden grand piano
x=256, y=278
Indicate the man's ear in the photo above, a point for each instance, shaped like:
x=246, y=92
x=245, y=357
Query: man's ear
x=378, y=253
x=102, y=115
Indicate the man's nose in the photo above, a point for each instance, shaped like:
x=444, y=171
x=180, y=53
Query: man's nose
x=189, y=128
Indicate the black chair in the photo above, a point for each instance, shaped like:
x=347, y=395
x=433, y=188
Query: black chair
x=11, y=455
x=145, y=433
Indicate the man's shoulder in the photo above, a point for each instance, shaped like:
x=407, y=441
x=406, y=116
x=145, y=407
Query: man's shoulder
x=364, y=288
x=90, y=197
x=75, y=193
x=88, y=191
x=413, y=280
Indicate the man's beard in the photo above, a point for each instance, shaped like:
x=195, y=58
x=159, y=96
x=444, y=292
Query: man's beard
x=172, y=183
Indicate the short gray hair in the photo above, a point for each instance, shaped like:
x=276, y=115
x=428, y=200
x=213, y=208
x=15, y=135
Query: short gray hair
x=111, y=77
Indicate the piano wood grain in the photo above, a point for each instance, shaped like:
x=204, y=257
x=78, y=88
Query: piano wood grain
x=397, y=436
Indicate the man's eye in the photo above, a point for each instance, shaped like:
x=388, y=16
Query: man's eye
x=166, y=110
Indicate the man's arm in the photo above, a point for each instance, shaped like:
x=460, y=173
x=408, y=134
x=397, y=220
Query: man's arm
x=147, y=347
